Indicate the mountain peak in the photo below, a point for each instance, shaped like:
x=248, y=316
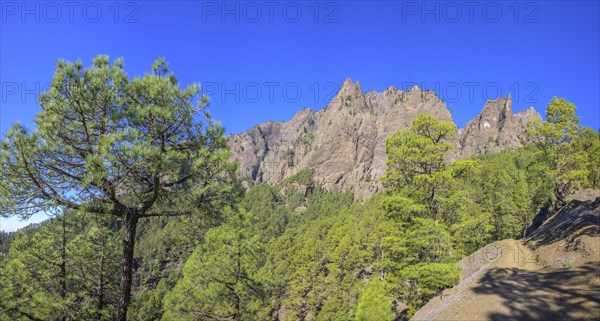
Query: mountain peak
x=350, y=94
x=495, y=111
x=529, y=114
x=495, y=129
x=414, y=88
x=391, y=90
x=350, y=86
x=345, y=143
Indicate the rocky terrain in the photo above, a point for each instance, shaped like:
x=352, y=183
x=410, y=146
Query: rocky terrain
x=344, y=143
x=552, y=275
x=495, y=129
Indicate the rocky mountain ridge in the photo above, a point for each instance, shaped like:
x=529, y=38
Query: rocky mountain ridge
x=344, y=143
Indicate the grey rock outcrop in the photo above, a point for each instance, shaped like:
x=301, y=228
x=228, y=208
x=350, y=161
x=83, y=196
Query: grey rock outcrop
x=344, y=143
x=495, y=129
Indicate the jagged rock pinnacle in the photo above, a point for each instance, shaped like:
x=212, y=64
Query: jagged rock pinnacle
x=344, y=143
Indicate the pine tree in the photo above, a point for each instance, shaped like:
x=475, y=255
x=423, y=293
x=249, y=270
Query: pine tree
x=417, y=167
x=35, y=276
x=421, y=282
x=93, y=272
x=556, y=139
x=589, y=143
x=111, y=146
x=65, y=271
x=374, y=304
x=225, y=266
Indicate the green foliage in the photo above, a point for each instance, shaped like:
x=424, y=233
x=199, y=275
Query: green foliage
x=309, y=253
x=5, y=240
x=418, y=151
x=568, y=263
x=502, y=190
x=162, y=243
x=532, y=245
x=426, y=242
x=589, y=142
x=367, y=178
x=416, y=166
x=472, y=232
x=303, y=177
x=556, y=138
x=318, y=266
x=293, y=251
x=66, y=269
x=225, y=265
x=422, y=282
x=119, y=147
x=149, y=305
x=330, y=258
x=375, y=304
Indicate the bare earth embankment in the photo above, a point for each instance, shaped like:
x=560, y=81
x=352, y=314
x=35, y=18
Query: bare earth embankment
x=552, y=275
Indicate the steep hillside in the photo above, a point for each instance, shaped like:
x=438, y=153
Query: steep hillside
x=344, y=143
x=552, y=275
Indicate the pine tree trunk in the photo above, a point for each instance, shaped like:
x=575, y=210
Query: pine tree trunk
x=559, y=196
x=238, y=278
x=129, y=227
x=100, y=305
x=63, y=263
x=434, y=206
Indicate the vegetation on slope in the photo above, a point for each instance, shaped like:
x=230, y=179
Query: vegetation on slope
x=292, y=251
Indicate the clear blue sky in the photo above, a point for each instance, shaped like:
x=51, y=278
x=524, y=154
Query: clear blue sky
x=264, y=61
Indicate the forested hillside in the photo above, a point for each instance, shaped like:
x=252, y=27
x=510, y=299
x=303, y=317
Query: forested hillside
x=207, y=249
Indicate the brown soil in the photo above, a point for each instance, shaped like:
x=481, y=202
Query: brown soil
x=541, y=278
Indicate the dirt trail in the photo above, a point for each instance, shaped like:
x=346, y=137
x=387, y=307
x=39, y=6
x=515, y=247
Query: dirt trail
x=505, y=281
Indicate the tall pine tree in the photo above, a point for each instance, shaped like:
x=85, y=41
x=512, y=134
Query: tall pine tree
x=112, y=146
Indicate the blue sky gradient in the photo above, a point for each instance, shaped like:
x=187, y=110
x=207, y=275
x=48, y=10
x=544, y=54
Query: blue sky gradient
x=263, y=61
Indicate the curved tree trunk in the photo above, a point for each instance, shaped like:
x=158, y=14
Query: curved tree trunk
x=129, y=227
x=561, y=191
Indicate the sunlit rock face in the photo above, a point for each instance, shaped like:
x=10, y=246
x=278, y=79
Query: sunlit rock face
x=495, y=129
x=344, y=143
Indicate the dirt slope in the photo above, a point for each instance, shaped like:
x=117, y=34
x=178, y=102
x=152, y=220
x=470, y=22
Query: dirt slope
x=556, y=276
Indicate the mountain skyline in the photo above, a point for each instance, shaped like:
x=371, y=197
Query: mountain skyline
x=337, y=169
x=344, y=144
x=252, y=70
x=255, y=71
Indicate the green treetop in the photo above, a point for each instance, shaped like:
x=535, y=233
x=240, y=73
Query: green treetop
x=417, y=164
x=111, y=145
x=556, y=139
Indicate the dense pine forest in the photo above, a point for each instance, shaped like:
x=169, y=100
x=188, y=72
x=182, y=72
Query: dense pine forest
x=109, y=151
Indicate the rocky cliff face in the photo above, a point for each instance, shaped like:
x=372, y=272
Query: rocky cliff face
x=344, y=143
x=495, y=129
